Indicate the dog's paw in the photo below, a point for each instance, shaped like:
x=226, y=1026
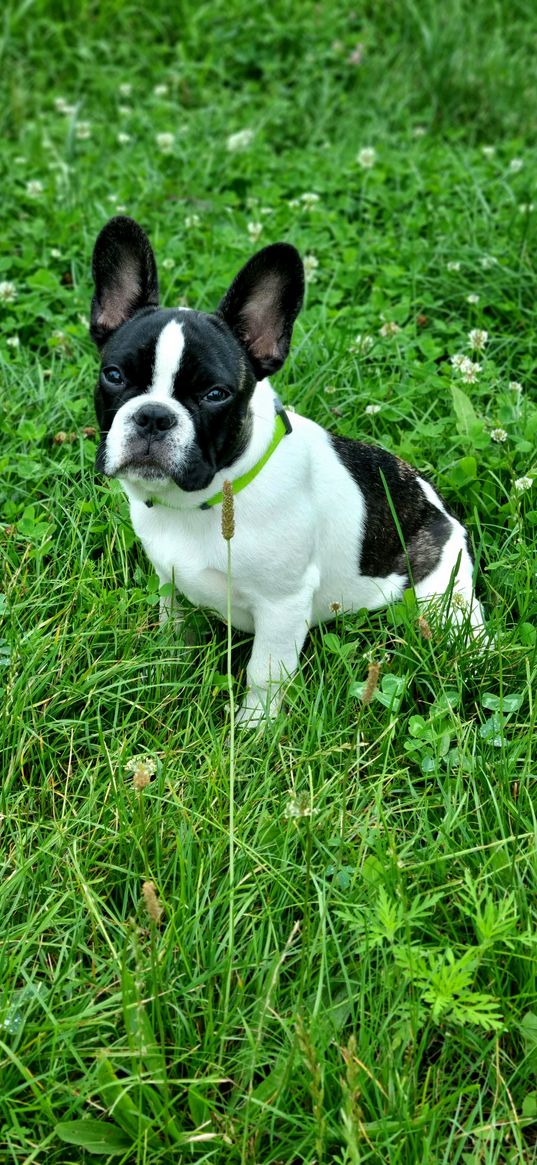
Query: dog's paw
x=250, y=718
x=257, y=709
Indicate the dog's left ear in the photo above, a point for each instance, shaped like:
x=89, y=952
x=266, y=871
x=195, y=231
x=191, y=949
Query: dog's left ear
x=125, y=276
x=262, y=304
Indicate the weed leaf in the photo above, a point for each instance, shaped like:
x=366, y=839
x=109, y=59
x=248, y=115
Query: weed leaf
x=94, y=1136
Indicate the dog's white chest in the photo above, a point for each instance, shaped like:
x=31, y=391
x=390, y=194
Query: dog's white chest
x=189, y=551
x=182, y=552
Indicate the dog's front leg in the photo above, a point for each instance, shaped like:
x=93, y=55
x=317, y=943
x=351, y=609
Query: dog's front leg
x=280, y=630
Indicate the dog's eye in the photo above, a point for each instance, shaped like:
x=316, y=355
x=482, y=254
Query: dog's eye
x=216, y=395
x=113, y=377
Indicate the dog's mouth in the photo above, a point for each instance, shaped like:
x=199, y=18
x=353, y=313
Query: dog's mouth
x=145, y=466
x=142, y=468
x=155, y=465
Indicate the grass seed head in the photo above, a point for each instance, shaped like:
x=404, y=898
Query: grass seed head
x=142, y=769
x=152, y=904
x=424, y=628
x=373, y=673
x=228, y=512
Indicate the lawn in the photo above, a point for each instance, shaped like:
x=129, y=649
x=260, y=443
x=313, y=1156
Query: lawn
x=318, y=946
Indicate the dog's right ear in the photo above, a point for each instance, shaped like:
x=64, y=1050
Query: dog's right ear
x=125, y=276
x=262, y=304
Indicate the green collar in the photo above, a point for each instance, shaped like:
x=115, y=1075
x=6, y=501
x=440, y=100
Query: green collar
x=282, y=426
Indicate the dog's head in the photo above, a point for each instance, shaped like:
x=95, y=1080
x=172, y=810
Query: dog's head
x=175, y=385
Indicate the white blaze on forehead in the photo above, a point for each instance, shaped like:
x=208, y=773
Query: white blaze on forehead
x=168, y=355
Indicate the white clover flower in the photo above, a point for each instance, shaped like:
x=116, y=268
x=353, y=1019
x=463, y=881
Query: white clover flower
x=473, y=298
x=125, y=89
x=292, y=809
x=61, y=341
x=459, y=361
x=112, y=198
x=266, y=210
x=515, y=165
x=356, y=56
x=470, y=372
x=124, y=110
x=478, y=338
x=192, y=220
x=366, y=157
x=515, y=387
x=371, y=409
x=83, y=130
x=310, y=199
x=390, y=328
x=8, y=291
x=453, y=265
x=299, y=807
x=523, y=483
x=13, y=342
x=34, y=189
x=488, y=151
x=124, y=139
x=62, y=167
x=121, y=208
x=19, y=160
x=362, y=343
x=488, y=261
x=330, y=389
x=63, y=106
x=254, y=230
x=55, y=253
x=294, y=203
x=240, y=140
x=165, y=142
x=167, y=264
x=160, y=90
x=419, y=131
x=526, y=207
x=311, y=264
x=498, y=435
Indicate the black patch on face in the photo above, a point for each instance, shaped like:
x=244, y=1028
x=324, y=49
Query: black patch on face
x=211, y=358
x=424, y=528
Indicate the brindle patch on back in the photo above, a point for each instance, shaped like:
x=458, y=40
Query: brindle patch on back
x=425, y=529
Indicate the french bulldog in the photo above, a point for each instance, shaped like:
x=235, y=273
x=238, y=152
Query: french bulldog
x=322, y=523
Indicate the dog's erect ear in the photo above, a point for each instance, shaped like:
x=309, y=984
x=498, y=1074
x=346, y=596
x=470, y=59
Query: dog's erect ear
x=125, y=276
x=262, y=304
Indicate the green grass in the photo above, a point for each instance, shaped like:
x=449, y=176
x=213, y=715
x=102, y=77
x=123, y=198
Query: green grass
x=350, y=976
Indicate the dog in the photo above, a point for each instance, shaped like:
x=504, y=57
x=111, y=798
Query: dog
x=322, y=523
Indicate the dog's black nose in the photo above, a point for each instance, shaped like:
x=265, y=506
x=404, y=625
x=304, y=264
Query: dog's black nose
x=154, y=420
